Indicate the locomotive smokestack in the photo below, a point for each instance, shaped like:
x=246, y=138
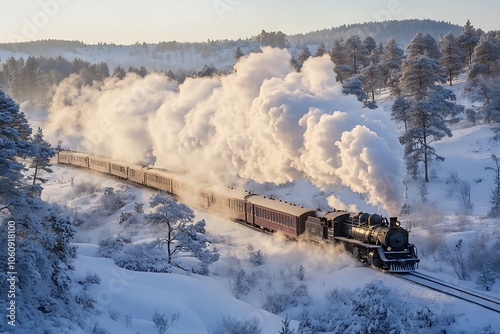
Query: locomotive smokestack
x=393, y=221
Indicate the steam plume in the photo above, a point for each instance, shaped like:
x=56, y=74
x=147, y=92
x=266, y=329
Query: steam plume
x=263, y=122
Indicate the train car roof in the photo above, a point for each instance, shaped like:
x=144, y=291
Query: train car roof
x=136, y=167
x=161, y=172
x=228, y=192
x=279, y=205
x=80, y=154
x=336, y=214
x=96, y=157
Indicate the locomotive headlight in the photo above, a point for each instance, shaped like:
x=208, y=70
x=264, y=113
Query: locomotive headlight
x=398, y=224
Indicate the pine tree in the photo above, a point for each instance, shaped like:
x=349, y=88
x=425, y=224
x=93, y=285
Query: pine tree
x=423, y=44
x=372, y=77
x=285, y=329
x=451, y=56
x=41, y=159
x=495, y=193
x=431, y=105
x=355, y=87
x=468, y=40
x=369, y=51
x=119, y=72
x=483, y=81
x=400, y=111
x=183, y=235
x=342, y=68
x=15, y=141
x=487, y=277
x=238, y=54
x=321, y=51
x=485, y=58
x=302, y=57
x=43, y=250
x=390, y=65
x=354, y=52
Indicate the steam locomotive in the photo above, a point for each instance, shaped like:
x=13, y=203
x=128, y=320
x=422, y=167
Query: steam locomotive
x=371, y=238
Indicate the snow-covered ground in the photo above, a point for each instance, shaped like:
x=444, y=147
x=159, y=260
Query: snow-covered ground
x=128, y=299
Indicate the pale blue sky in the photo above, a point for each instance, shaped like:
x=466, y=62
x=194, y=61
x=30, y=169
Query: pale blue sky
x=129, y=21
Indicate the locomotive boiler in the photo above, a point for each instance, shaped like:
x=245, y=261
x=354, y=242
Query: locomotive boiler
x=370, y=237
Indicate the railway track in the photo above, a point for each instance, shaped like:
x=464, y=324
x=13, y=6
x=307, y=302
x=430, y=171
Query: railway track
x=450, y=289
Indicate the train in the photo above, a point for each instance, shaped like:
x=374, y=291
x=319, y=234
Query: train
x=371, y=238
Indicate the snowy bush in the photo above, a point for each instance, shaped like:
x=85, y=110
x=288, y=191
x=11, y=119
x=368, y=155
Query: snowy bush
x=471, y=115
x=459, y=261
x=111, y=201
x=486, y=278
x=128, y=320
x=111, y=247
x=87, y=188
x=128, y=219
x=115, y=315
x=147, y=256
x=97, y=329
x=256, y=257
x=285, y=329
x=277, y=301
x=230, y=325
x=463, y=189
x=139, y=207
x=86, y=301
x=91, y=278
x=374, y=308
x=238, y=283
x=163, y=322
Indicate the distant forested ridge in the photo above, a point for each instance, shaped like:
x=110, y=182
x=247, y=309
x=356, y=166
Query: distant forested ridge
x=402, y=31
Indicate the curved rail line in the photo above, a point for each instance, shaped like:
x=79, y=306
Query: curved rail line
x=452, y=290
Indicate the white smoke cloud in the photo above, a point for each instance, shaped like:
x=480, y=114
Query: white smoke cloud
x=264, y=122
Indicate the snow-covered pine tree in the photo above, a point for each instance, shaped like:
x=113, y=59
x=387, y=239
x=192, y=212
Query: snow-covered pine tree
x=183, y=234
x=321, y=51
x=372, y=78
x=354, y=51
x=15, y=142
x=468, y=39
x=485, y=58
x=486, y=278
x=342, y=68
x=42, y=234
x=422, y=44
x=400, y=111
x=390, y=65
x=302, y=57
x=41, y=159
x=431, y=105
x=119, y=72
x=369, y=51
x=495, y=193
x=238, y=54
x=355, y=87
x=451, y=56
x=285, y=329
x=483, y=82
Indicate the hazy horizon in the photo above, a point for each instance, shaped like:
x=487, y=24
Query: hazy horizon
x=127, y=22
